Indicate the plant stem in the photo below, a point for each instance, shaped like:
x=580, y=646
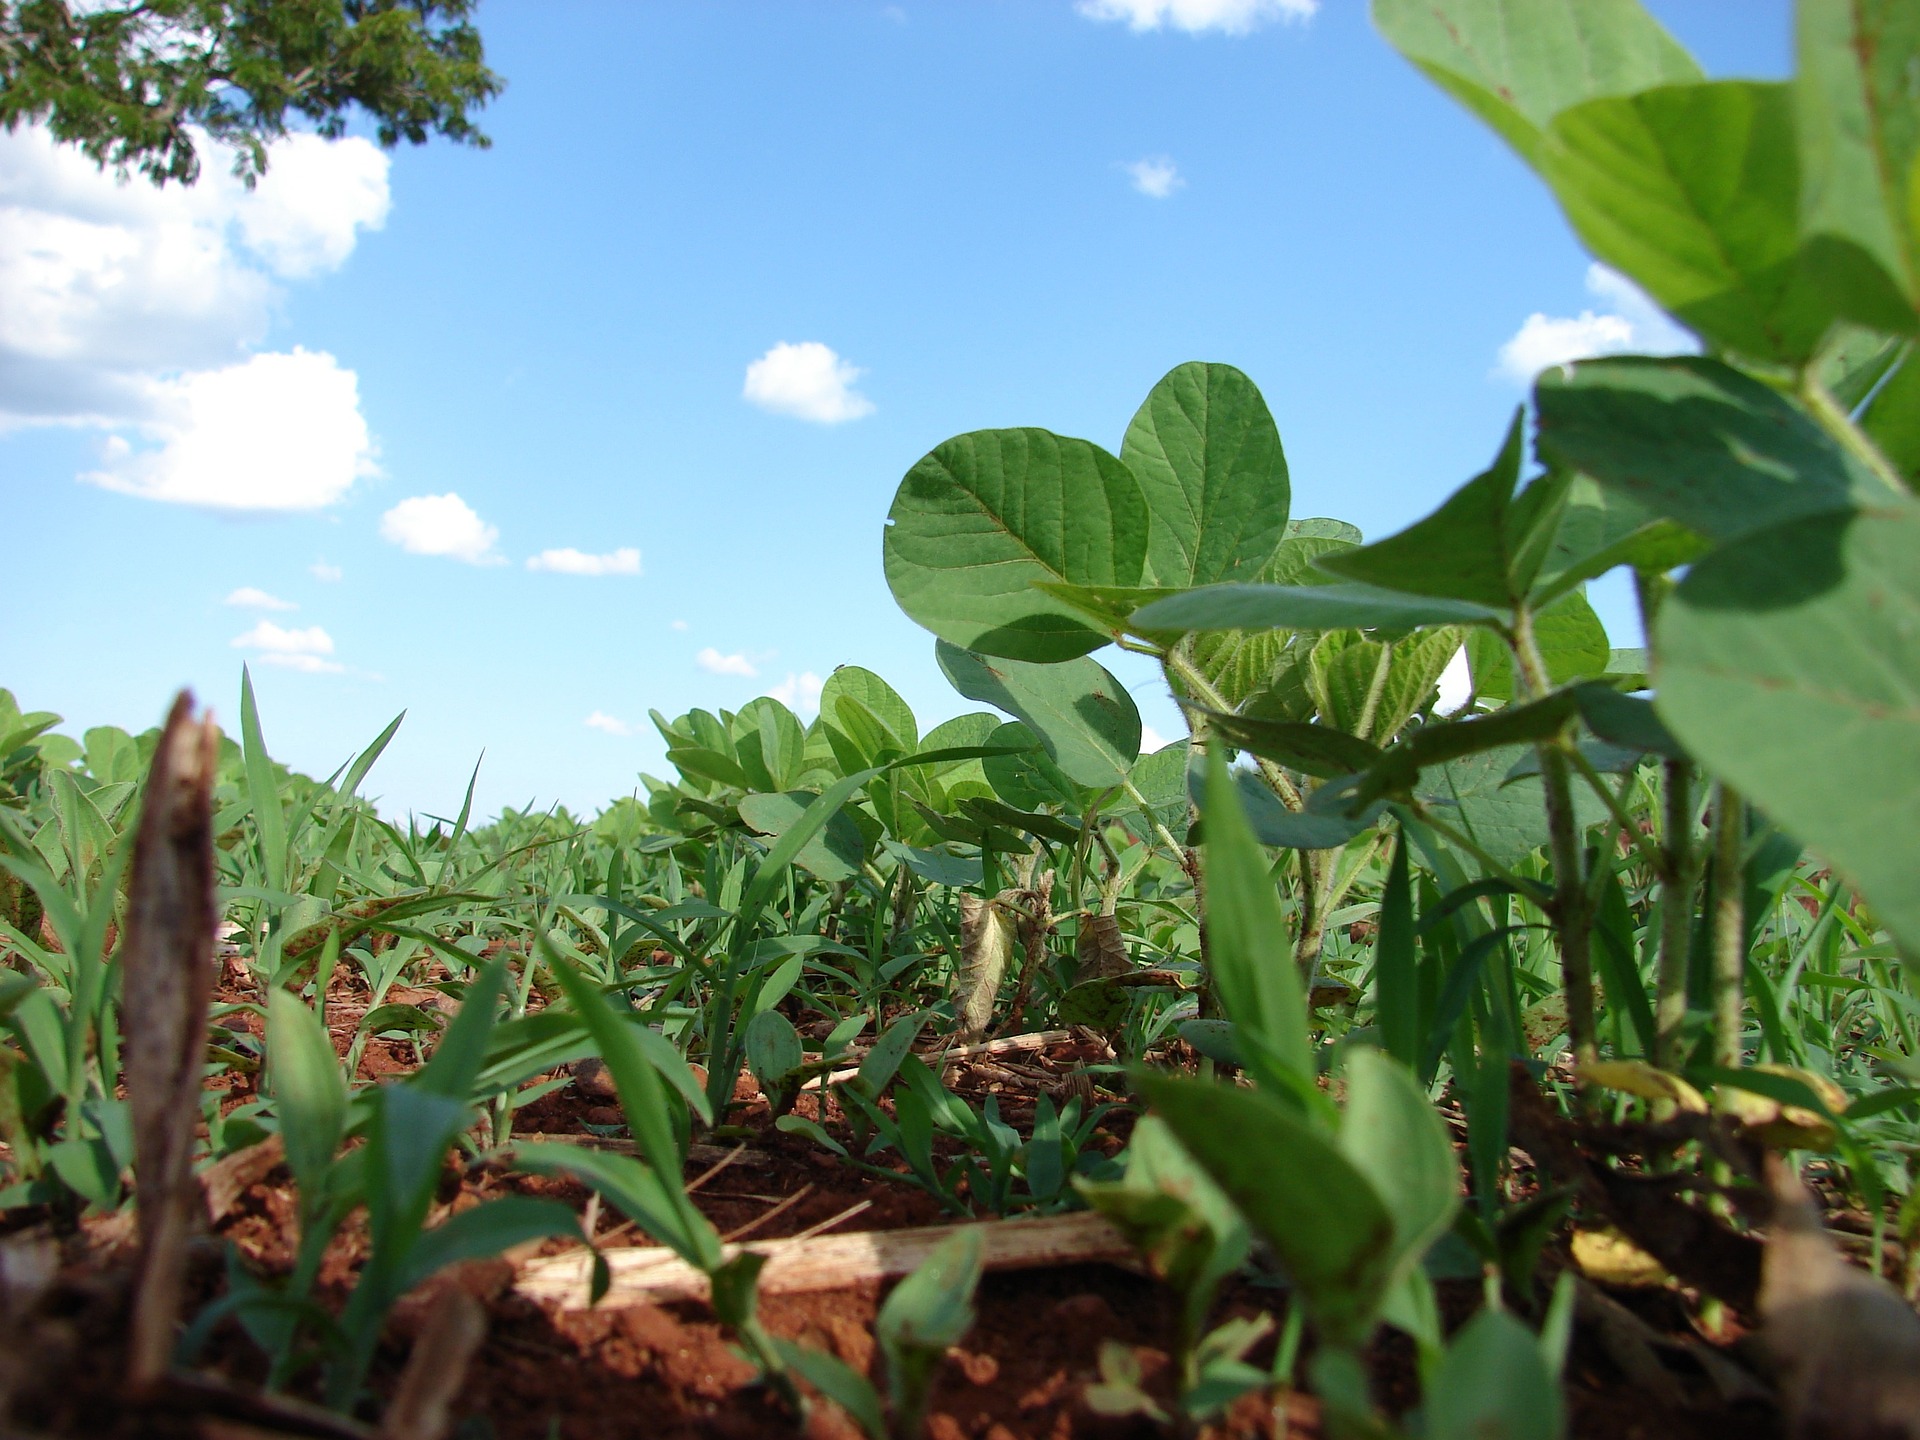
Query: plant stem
x=1201, y=688
x=1676, y=913
x=1571, y=912
x=1837, y=423
x=1729, y=926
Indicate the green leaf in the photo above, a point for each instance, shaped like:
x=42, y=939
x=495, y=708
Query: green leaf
x=1600, y=529
x=770, y=744
x=1306, y=607
x=1323, y=825
x=836, y=853
x=1027, y=778
x=1892, y=419
x=1311, y=749
x=1481, y=546
x=640, y=1194
x=1259, y=986
x=882, y=1062
x=485, y=1231
x=773, y=1048
x=898, y=729
x=1506, y=818
x=263, y=792
x=1694, y=191
x=1397, y=772
x=1082, y=715
x=1788, y=663
x=1859, y=145
x=1322, y=1217
x=1396, y=977
x=838, y=1381
x=932, y=1308
x=1572, y=642
x=309, y=1091
x=1518, y=63
x=1698, y=442
x=1395, y=1138
x=794, y=838
x=1208, y=458
x=1494, y=1384
x=456, y=1060
x=985, y=515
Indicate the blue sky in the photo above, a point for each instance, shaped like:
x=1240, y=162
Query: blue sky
x=952, y=214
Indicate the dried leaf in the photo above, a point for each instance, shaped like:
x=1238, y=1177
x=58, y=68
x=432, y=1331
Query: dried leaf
x=986, y=942
x=1101, y=950
x=167, y=959
x=422, y=1405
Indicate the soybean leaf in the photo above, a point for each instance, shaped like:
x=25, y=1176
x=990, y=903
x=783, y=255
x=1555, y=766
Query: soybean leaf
x=898, y=730
x=1396, y=1139
x=1306, y=607
x=1694, y=191
x=1696, y=441
x=1572, y=643
x=1208, y=459
x=1786, y=661
x=773, y=1048
x=1517, y=63
x=1494, y=1381
x=834, y=854
x=1322, y=1217
x=1892, y=419
x=1484, y=545
x=1312, y=749
x=985, y=515
x=1506, y=818
x=1027, y=777
x=1259, y=986
x=1323, y=825
x=1082, y=715
x=1859, y=146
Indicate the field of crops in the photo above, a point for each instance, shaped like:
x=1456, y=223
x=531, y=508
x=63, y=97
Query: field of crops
x=1545, y=1067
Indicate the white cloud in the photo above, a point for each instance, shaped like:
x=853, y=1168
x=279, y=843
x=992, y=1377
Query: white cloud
x=321, y=570
x=712, y=661
x=679, y=624
x=1629, y=323
x=273, y=432
x=1151, y=740
x=441, y=525
x=294, y=649
x=799, y=693
x=1233, y=17
x=807, y=381
x=248, y=598
x=127, y=307
x=624, y=561
x=612, y=725
x=1156, y=176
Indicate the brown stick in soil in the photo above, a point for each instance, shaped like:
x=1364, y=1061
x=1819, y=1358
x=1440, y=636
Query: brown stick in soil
x=828, y=1262
x=167, y=960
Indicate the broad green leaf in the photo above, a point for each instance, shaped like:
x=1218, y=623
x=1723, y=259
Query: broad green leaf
x=1208, y=458
x=1027, y=779
x=1789, y=663
x=1506, y=818
x=770, y=744
x=1892, y=420
x=1693, y=191
x=1253, y=967
x=1323, y=825
x=1398, y=770
x=1320, y=750
x=1696, y=441
x=1518, y=63
x=793, y=838
x=1572, y=642
x=932, y=1308
x=1859, y=137
x=1372, y=687
x=880, y=700
x=309, y=1090
x=834, y=854
x=1161, y=780
x=1600, y=529
x=1494, y=1384
x=1307, y=607
x=1082, y=715
x=773, y=1047
x=1394, y=1137
x=985, y=515
x=1322, y=1217
x=1483, y=546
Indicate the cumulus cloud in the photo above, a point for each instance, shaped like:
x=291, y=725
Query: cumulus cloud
x=799, y=693
x=1456, y=683
x=1627, y=323
x=1231, y=17
x=248, y=598
x=679, y=624
x=135, y=309
x=441, y=525
x=610, y=724
x=714, y=663
x=321, y=570
x=1156, y=176
x=274, y=432
x=293, y=649
x=807, y=381
x=624, y=561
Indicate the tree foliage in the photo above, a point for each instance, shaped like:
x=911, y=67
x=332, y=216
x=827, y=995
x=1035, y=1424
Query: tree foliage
x=140, y=86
